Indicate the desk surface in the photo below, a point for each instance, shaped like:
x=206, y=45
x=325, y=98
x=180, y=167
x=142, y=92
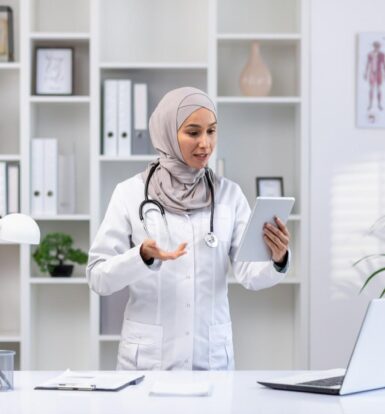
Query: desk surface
x=233, y=392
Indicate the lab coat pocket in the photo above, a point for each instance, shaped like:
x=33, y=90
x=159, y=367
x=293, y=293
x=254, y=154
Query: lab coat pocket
x=223, y=222
x=141, y=346
x=221, y=354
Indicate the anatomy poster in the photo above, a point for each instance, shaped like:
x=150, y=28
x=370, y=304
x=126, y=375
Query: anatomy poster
x=371, y=80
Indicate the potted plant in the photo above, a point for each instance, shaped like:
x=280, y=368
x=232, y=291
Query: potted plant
x=53, y=253
x=376, y=230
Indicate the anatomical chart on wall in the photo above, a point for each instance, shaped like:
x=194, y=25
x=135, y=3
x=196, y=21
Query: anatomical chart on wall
x=370, y=80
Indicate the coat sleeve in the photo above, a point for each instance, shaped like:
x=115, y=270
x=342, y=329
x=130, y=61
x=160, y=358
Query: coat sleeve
x=252, y=275
x=113, y=263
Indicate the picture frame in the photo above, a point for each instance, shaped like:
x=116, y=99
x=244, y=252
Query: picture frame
x=269, y=186
x=6, y=34
x=370, y=102
x=54, y=70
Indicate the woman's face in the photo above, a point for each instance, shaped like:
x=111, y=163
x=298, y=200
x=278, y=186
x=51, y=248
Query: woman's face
x=197, y=137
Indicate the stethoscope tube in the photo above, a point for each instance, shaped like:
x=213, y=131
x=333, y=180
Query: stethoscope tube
x=210, y=238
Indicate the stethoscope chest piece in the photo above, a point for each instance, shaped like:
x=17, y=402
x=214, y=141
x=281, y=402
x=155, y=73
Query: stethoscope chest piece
x=211, y=239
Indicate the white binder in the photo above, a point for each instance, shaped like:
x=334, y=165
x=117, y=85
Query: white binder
x=3, y=189
x=67, y=184
x=50, y=176
x=13, y=181
x=37, y=179
x=124, y=117
x=110, y=117
x=141, y=142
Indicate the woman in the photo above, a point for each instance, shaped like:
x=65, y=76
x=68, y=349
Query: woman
x=177, y=314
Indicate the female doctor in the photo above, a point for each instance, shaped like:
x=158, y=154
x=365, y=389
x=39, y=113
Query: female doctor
x=175, y=260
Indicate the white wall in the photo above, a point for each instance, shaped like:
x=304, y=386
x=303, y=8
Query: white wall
x=347, y=179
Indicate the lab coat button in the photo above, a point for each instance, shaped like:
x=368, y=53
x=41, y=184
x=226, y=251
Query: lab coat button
x=187, y=305
x=187, y=333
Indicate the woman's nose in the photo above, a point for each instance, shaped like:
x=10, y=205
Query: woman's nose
x=204, y=141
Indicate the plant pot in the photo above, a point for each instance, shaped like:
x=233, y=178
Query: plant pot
x=61, y=270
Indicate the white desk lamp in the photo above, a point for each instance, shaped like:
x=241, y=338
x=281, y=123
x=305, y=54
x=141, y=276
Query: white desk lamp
x=18, y=228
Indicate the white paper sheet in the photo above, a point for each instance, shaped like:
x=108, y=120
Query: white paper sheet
x=184, y=389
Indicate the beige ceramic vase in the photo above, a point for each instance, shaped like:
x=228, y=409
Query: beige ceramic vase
x=255, y=79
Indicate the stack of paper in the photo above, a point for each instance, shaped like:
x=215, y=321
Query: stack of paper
x=182, y=389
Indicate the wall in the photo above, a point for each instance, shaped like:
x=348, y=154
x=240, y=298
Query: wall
x=347, y=180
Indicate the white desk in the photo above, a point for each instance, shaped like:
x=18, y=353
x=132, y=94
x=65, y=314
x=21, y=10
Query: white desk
x=233, y=392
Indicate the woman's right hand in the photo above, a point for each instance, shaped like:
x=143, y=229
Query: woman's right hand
x=150, y=250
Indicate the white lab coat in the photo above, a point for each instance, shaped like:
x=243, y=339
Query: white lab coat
x=177, y=314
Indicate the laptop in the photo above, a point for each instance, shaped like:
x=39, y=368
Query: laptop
x=366, y=368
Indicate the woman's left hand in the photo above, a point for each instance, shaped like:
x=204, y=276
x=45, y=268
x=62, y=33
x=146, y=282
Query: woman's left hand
x=277, y=238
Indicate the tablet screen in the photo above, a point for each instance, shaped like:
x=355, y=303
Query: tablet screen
x=253, y=247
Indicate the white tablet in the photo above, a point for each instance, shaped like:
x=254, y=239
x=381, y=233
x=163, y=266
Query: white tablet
x=253, y=247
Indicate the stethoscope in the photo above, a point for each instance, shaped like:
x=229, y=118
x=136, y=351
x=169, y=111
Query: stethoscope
x=210, y=238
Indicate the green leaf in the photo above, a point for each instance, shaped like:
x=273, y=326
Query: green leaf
x=371, y=277
x=382, y=294
x=367, y=257
x=56, y=248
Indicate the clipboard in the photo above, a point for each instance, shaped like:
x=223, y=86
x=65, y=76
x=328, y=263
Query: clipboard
x=252, y=247
x=91, y=381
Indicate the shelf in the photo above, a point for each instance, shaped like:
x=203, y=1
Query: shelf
x=9, y=338
x=109, y=338
x=59, y=36
x=279, y=37
x=10, y=157
x=285, y=100
x=58, y=280
x=9, y=65
x=295, y=217
x=62, y=217
x=138, y=158
x=149, y=65
x=59, y=99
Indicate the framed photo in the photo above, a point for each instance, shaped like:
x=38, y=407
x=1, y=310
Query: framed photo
x=54, y=70
x=371, y=80
x=269, y=186
x=6, y=34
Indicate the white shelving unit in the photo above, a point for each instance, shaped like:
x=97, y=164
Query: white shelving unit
x=157, y=43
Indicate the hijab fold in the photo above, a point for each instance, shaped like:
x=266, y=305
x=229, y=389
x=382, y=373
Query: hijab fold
x=178, y=187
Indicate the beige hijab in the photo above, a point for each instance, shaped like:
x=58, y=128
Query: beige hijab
x=178, y=187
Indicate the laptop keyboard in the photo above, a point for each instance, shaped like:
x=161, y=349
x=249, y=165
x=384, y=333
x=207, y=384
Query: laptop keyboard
x=326, y=382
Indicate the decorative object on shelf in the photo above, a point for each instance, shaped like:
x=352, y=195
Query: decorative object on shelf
x=54, y=70
x=377, y=230
x=370, y=75
x=54, y=250
x=19, y=228
x=6, y=34
x=255, y=79
x=269, y=186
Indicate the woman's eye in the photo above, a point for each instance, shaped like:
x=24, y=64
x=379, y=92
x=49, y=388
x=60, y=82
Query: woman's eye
x=193, y=133
x=212, y=131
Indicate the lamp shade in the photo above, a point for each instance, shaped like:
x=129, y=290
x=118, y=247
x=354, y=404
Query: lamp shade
x=19, y=228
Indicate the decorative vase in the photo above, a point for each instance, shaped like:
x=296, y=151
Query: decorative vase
x=255, y=79
x=61, y=270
